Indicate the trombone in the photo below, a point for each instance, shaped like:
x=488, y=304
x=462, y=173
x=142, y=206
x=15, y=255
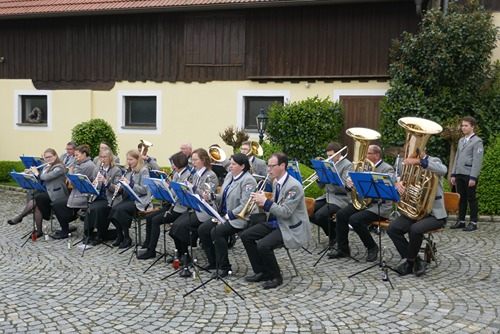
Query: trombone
x=314, y=176
x=250, y=207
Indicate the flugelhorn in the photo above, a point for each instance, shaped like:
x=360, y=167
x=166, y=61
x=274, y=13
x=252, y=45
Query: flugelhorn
x=314, y=176
x=255, y=149
x=250, y=206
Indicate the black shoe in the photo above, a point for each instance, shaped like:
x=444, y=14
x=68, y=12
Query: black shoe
x=458, y=224
x=231, y=240
x=170, y=259
x=372, y=254
x=96, y=241
x=10, y=222
x=337, y=254
x=220, y=273
x=208, y=266
x=118, y=242
x=471, y=227
x=419, y=267
x=274, y=283
x=59, y=235
x=70, y=230
x=259, y=277
x=149, y=254
x=126, y=243
x=405, y=268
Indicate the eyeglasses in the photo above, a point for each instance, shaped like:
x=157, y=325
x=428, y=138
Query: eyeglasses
x=48, y=157
x=104, y=157
x=272, y=166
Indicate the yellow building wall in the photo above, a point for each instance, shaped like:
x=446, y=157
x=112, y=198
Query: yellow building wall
x=190, y=112
x=496, y=20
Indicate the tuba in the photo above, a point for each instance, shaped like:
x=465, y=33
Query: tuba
x=362, y=138
x=145, y=145
x=255, y=149
x=420, y=184
x=216, y=153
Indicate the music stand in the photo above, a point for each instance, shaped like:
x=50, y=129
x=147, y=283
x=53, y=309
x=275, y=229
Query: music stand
x=184, y=197
x=82, y=183
x=294, y=170
x=159, y=189
x=220, y=171
x=157, y=174
x=381, y=187
x=216, y=218
x=135, y=198
x=28, y=181
x=31, y=161
x=327, y=174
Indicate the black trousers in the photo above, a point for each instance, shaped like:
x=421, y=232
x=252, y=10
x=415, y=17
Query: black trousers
x=467, y=196
x=260, y=241
x=64, y=214
x=415, y=229
x=322, y=217
x=184, y=231
x=154, y=221
x=43, y=203
x=213, y=239
x=97, y=217
x=121, y=216
x=359, y=220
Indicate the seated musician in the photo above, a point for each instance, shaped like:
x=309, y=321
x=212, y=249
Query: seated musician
x=168, y=213
x=53, y=176
x=287, y=224
x=235, y=193
x=336, y=197
x=149, y=162
x=259, y=166
x=184, y=229
x=121, y=215
x=417, y=228
x=68, y=158
x=66, y=209
x=98, y=212
x=361, y=218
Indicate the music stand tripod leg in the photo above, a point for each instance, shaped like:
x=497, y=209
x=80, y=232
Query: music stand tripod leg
x=28, y=235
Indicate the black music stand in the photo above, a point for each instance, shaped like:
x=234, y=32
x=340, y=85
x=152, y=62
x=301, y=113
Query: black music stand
x=185, y=197
x=82, y=183
x=294, y=170
x=327, y=174
x=28, y=181
x=135, y=198
x=381, y=187
x=216, y=218
x=159, y=189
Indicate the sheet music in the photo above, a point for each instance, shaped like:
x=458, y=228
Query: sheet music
x=207, y=207
x=334, y=169
x=131, y=192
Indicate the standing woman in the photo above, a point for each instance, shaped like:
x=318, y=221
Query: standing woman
x=66, y=209
x=54, y=177
x=184, y=229
x=238, y=185
x=106, y=181
x=121, y=215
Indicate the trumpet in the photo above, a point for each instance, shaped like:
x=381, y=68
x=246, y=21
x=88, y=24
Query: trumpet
x=314, y=176
x=250, y=206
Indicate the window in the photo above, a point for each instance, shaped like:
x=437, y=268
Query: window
x=250, y=103
x=32, y=110
x=139, y=111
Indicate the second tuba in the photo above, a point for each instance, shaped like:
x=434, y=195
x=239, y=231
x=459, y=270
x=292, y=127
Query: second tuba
x=421, y=184
x=362, y=138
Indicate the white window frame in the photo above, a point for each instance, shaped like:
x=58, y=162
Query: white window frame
x=122, y=94
x=18, y=125
x=240, y=118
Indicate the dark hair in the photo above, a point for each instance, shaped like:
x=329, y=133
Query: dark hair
x=71, y=143
x=469, y=119
x=204, y=157
x=242, y=160
x=105, y=143
x=282, y=158
x=84, y=149
x=333, y=146
x=179, y=160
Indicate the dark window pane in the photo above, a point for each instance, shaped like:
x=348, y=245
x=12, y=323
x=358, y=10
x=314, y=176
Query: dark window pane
x=253, y=105
x=140, y=111
x=34, y=109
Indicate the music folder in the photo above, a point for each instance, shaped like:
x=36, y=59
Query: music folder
x=182, y=192
x=205, y=206
x=327, y=172
x=31, y=161
x=159, y=189
x=131, y=192
x=27, y=181
x=374, y=185
x=294, y=170
x=82, y=184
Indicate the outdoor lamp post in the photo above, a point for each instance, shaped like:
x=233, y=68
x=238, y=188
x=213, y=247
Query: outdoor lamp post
x=261, y=124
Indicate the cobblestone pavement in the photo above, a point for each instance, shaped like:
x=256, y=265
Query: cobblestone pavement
x=46, y=287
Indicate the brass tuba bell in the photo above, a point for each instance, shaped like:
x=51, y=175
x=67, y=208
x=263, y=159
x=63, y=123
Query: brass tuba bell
x=362, y=138
x=255, y=149
x=216, y=153
x=145, y=145
x=421, y=185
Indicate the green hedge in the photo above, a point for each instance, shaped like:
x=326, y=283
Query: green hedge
x=489, y=179
x=8, y=166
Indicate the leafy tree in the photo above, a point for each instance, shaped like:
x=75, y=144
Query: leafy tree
x=304, y=128
x=440, y=71
x=92, y=133
x=234, y=137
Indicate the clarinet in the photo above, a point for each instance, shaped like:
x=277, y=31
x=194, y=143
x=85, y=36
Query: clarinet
x=117, y=189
